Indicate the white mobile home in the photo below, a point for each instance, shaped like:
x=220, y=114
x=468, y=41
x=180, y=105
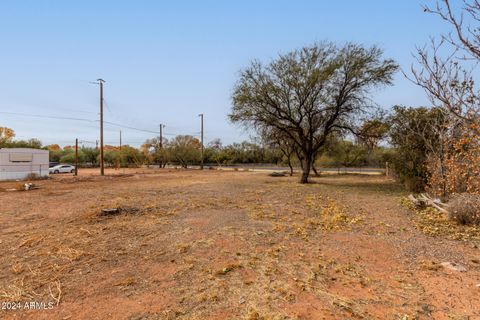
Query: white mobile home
x=18, y=163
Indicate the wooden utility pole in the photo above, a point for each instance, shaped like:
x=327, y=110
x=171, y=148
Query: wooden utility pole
x=76, y=156
x=160, y=142
x=102, y=164
x=160, y=147
x=120, y=140
x=201, y=139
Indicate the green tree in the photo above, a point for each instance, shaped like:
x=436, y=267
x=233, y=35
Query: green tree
x=348, y=154
x=91, y=155
x=130, y=156
x=310, y=93
x=415, y=132
x=371, y=132
x=70, y=157
x=31, y=143
x=184, y=150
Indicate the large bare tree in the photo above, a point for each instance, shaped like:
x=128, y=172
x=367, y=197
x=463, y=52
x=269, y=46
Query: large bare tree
x=310, y=93
x=445, y=68
x=466, y=34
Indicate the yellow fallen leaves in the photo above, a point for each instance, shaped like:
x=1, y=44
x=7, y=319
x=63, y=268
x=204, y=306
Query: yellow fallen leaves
x=435, y=223
x=311, y=213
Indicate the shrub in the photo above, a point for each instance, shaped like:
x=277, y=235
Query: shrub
x=33, y=176
x=459, y=172
x=414, y=132
x=465, y=208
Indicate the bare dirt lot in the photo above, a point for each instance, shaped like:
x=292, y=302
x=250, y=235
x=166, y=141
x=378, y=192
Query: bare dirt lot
x=231, y=245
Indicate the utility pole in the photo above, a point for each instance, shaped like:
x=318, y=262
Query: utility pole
x=160, y=142
x=160, y=145
x=120, y=152
x=102, y=164
x=120, y=140
x=201, y=140
x=76, y=156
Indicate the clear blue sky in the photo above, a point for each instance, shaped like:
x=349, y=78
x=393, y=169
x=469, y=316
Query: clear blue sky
x=168, y=61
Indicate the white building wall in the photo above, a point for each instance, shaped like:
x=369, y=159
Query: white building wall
x=20, y=170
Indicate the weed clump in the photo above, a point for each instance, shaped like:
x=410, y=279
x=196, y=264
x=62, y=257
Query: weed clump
x=465, y=208
x=34, y=176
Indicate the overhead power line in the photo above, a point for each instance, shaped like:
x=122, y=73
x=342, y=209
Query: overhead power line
x=137, y=129
x=74, y=119
x=46, y=117
x=128, y=127
x=93, y=121
x=61, y=108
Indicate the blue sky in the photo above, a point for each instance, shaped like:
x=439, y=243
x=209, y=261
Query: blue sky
x=168, y=61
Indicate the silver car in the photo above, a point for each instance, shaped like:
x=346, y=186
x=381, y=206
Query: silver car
x=62, y=168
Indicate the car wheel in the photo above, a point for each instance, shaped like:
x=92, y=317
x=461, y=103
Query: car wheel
x=56, y=171
x=72, y=171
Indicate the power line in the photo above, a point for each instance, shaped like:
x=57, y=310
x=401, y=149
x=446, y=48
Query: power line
x=73, y=119
x=46, y=117
x=93, y=121
x=66, y=109
x=138, y=129
x=128, y=127
x=107, y=105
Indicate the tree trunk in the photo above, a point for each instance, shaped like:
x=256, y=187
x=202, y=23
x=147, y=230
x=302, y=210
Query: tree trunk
x=290, y=166
x=315, y=170
x=300, y=159
x=306, y=166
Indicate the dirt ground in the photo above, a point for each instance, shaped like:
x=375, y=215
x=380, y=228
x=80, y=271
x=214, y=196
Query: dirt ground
x=190, y=244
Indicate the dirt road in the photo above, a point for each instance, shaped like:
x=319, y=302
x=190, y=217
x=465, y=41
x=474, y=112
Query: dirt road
x=230, y=245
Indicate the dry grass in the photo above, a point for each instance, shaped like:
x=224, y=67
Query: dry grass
x=435, y=223
x=190, y=245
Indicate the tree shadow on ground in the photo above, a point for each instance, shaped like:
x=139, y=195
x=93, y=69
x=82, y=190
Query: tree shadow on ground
x=362, y=184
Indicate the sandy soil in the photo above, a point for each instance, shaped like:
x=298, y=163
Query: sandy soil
x=230, y=245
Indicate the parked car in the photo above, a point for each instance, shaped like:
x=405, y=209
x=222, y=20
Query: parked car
x=63, y=168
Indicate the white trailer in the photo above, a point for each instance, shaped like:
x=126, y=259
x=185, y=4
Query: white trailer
x=18, y=163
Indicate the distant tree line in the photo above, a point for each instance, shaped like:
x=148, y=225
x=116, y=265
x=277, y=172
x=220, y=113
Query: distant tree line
x=184, y=151
x=7, y=140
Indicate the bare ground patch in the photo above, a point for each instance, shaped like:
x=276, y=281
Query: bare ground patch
x=239, y=245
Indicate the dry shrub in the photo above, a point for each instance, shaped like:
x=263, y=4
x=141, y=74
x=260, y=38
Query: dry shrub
x=465, y=208
x=459, y=172
x=33, y=176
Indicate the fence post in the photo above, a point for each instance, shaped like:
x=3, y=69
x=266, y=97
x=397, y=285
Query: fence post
x=386, y=169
